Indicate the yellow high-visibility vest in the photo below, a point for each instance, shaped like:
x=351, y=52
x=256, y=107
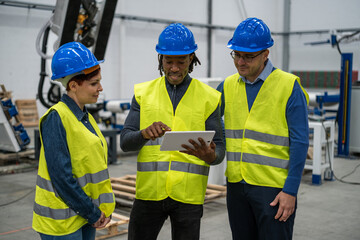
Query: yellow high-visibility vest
x=162, y=174
x=88, y=153
x=257, y=142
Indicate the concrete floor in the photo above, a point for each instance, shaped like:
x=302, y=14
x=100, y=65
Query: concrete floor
x=328, y=211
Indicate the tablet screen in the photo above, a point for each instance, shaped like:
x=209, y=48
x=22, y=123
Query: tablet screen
x=173, y=140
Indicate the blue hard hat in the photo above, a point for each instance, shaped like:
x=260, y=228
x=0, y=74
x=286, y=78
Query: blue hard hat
x=176, y=39
x=252, y=35
x=72, y=58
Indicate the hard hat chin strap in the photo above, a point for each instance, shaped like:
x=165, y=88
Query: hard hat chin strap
x=64, y=81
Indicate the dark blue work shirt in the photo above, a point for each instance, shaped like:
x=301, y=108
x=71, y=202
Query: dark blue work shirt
x=296, y=116
x=58, y=161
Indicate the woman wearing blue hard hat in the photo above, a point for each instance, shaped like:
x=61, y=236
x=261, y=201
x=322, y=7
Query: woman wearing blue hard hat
x=268, y=107
x=73, y=189
x=172, y=183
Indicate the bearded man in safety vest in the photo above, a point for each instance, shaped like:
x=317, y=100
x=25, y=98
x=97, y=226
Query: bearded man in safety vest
x=172, y=183
x=266, y=135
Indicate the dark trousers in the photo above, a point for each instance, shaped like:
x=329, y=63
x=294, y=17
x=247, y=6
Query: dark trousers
x=250, y=215
x=147, y=218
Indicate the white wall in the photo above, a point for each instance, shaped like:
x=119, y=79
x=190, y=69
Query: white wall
x=325, y=15
x=131, y=57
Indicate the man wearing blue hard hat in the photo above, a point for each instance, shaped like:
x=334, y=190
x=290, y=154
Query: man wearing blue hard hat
x=266, y=135
x=73, y=190
x=172, y=183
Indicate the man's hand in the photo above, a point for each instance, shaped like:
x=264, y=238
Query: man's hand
x=102, y=221
x=286, y=205
x=202, y=151
x=155, y=130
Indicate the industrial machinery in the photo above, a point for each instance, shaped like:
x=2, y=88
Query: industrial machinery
x=345, y=105
x=323, y=106
x=322, y=128
x=85, y=21
x=344, y=97
x=14, y=137
x=119, y=110
x=354, y=120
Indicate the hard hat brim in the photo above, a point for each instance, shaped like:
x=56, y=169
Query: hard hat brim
x=246, y=49
x=163, y=52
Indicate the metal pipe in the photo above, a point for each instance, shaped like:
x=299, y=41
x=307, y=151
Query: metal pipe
x=209, y=39
x=28, y=5
x=286, y=37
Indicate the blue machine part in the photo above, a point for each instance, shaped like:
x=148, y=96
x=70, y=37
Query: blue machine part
x=326, y=98
x=345, y=104
x=10, y=108
x=125, y=106
x=322, y=100
x=316, y=179
x=333, y=40
x=22, y=134
x=19, y=137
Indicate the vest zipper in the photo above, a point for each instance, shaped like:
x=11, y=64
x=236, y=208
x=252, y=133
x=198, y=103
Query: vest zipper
x=173, y=97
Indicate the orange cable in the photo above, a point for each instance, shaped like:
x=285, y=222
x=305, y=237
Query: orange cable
x=13, y=231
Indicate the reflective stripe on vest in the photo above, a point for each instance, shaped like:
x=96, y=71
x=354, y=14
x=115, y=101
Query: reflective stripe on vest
x=233, y=133
x=152, y=166
x=45, y=184
x=190, y=168
x=259, y=136
x=157, y=141
x=258, y=159
x=93, y=178
x=82, y=181
x=175, y=166
x=65, y=213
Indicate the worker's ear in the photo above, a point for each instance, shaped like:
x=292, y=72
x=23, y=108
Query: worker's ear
x=191, y=57
x=266, y=53
x=72, y=85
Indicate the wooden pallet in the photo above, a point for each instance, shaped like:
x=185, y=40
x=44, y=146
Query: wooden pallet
x=28, y=112
x=124, y=189
x=14, y=156
x=112, y=226
x=3, y=93
x=6, y=158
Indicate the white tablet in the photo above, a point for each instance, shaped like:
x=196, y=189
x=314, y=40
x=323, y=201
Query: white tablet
x=173, y=140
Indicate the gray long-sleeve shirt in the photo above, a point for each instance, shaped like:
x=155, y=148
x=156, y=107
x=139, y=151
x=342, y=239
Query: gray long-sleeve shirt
x=132, y=140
